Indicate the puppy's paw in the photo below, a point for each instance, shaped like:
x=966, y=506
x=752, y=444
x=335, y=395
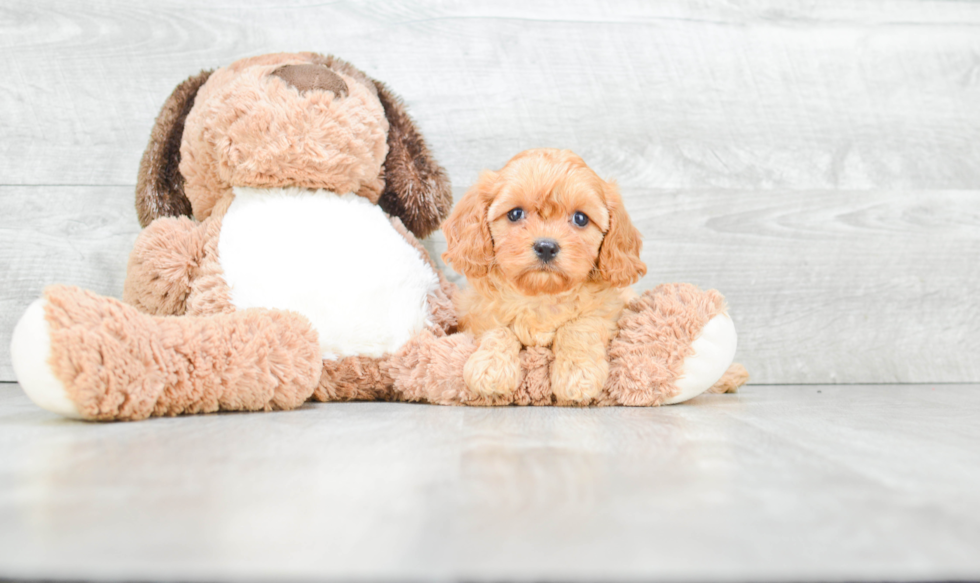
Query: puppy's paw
x=578, y=380
x=492, y=372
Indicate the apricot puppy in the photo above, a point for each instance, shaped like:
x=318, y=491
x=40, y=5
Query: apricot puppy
x=547, y=249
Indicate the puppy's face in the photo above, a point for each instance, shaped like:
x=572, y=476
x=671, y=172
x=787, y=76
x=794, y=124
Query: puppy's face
x=546, y=223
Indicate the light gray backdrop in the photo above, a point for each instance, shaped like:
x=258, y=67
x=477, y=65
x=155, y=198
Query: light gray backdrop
x=819, y=163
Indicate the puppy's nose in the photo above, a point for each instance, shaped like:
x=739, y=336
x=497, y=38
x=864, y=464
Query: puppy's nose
x=546, y=249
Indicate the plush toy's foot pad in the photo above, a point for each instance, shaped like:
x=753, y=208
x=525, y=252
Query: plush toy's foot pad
x=714, y=350
x=113, y=362
x=30, y=351
x=674, y=342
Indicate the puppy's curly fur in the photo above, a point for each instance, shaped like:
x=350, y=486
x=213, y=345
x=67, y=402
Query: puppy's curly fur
x=518, y=297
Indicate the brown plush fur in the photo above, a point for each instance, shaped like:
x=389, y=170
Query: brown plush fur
x=209, y=293
x=429, y=368
x=321, y=141
x=416, y=188
x=120, y=364
x=354, y=378
x=159, y=184
x=734, y=377
x=569, y=303
x=164, y=261
x=174, y=268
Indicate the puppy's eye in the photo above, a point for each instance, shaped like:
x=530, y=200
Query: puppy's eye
x=515, y=214
x=580, y=219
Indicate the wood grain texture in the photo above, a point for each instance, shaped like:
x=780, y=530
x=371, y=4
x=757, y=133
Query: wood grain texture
x=752, y=94
x=59, y=234
x=789, y=483
x=816, y=162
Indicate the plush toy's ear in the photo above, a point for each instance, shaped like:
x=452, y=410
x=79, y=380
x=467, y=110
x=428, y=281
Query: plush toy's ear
x=417, y=190
x=469, y=244
x=619, y=257
x=160, y=186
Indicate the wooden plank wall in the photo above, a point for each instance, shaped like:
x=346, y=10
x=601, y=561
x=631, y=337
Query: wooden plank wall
x=817, y=162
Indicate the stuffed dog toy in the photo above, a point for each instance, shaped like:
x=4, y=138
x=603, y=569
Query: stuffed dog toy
x=288, y=276
x=281, y=198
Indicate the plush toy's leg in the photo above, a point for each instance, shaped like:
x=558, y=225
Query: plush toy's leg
x=734, y=377
x=354, y=378
x=82, y=355
x=674, y=343
x=713, y=350
x=429, y=368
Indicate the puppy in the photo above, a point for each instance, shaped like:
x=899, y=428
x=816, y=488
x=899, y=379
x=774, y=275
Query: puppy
x=547, y=249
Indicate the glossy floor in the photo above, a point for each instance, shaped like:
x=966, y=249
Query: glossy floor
x=781, y=482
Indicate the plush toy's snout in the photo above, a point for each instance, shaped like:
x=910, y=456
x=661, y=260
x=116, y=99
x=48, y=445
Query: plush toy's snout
x=309, y=77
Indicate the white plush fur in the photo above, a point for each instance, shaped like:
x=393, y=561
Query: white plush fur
x=30, y=350
x=336, y=259
x=714, y=350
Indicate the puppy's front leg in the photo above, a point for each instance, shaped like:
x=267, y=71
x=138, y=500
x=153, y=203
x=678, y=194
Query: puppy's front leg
x=580, y=367
x=495, y=367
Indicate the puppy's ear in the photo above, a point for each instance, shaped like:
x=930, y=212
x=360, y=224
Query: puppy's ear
x=619, y=255
x=160, y=185
x=417, y=190
x=469, y=245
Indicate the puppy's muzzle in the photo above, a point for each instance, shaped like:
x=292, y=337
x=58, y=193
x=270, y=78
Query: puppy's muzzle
x=546, y=249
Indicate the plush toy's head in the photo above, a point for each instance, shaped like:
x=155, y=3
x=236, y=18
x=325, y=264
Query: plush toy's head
x=289, y=119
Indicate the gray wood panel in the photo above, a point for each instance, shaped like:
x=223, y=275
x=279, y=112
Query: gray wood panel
x=60, y=234
x=789, y=483
x=770, y=94
x=818, y=163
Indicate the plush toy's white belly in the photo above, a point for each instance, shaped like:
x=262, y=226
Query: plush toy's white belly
x=333, y=258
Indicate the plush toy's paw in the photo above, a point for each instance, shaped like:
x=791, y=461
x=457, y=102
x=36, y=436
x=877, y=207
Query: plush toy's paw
x=162, y=265
x=116, y=363
x=577, y=380
x=30, y=351
x=492, y=372
x=714, y=350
